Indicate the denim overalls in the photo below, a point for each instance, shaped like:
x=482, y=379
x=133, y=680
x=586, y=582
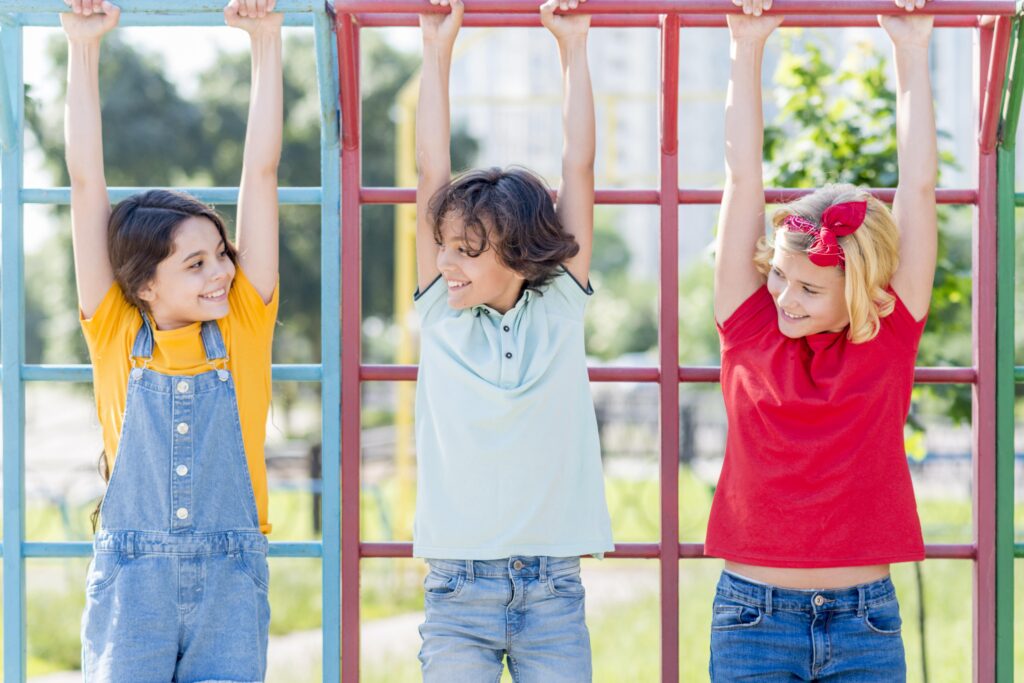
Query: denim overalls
x=177, y=590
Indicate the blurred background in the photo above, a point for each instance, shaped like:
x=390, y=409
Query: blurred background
x=174, y=106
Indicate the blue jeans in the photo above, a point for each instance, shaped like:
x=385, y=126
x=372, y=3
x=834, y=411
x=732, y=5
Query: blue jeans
x=766, y=634
x=529, y=609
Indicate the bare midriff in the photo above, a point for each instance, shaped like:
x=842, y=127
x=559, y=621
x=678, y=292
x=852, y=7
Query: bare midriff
x=812, y=578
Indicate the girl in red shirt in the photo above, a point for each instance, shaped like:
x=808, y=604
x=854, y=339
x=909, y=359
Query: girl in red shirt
x=819, y=324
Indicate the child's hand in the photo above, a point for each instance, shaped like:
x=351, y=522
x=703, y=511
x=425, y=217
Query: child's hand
x=564, y=26
x=89, y=19
x=908, y=30
x=756, y=7
x=911, y=5
x=253, y=16
x=757, y=28
x=442, y=29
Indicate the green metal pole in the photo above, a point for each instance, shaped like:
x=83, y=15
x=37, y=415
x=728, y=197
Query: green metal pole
x=1005, y=371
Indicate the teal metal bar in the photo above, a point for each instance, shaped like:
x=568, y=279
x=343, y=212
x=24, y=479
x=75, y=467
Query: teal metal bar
x=1005, y=387
x=330, y=343
x=12, y=353
x=50, y=19
x=164, y=7
x=84, y=549
x=210, y=195
x=8, y=131
x=83, y=373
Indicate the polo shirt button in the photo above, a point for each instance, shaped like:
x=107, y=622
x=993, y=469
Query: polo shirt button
x=182, y=428
x=182, y=513
x=508, y=354
x=182, y=387
x=819, y=600
x=517, y=565
x=506, y=328
x=181, y=470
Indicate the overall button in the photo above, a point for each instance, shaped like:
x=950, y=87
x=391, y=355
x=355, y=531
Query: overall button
x=181, y=470
x=182, y=428
x=508, y=354
x=517, y=565
x=182, y=513
x=506, y=328
x=182, y=387
x=819, y=600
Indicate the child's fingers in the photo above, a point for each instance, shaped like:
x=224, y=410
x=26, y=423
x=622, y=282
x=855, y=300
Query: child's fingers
x=261, y=8
x=457, y=9
x=573, y=4
x=767, y=4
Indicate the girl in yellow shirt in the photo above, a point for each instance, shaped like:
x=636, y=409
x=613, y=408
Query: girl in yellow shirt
x=179, y=324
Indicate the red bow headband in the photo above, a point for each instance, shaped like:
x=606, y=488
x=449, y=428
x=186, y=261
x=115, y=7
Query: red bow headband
x=838, y=220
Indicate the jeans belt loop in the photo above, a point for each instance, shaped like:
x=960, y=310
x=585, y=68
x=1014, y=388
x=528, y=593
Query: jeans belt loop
x=129, y=542
x=470, y=576
x=768, y=600
x=232, y=544
x=543, y=568
x=860, y=601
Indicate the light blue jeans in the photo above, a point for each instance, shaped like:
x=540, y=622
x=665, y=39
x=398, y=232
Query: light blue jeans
x=768, y=634
x=528, y=609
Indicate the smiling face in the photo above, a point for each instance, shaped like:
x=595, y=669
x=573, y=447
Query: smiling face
x=474, y=275
x=808, y=299
x=193, y=282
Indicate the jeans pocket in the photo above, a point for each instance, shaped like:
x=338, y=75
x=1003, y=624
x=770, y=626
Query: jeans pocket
x=728, y=615
x=254, y=565
x=568, y=585
x=441, y=585
x=104, y=568
x=884, y=619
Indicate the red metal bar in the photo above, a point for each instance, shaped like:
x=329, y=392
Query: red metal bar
x=709, y=374
x=677, y=7
x=407, y=195
x=377, y=20
x=668, y=349
x=983, y=324
x=651, y=551
x=827, y=21
x=351, y=323
x=993, y=89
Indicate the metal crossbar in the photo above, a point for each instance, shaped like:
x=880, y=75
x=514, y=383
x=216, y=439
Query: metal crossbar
x=15, y=373
x=670, y=16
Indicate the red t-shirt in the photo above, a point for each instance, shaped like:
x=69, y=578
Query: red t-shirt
x=815, y=471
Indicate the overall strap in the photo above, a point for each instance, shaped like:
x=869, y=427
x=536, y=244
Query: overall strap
x=143, y=346
x=213, y=342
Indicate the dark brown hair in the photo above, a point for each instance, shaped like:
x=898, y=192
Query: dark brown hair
x=510, y=211
x=140, y=234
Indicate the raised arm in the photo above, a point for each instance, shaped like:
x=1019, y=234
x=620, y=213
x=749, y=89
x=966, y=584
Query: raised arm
x=914, y=204
x=83, y=150
x=257, y=232
x=575, y=205
x=741, y=220
x=433, y=128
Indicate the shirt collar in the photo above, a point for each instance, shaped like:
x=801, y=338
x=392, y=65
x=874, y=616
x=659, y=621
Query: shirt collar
x=524, y=298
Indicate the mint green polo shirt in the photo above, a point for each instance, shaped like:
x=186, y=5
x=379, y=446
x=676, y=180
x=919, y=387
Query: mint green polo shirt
x=508, y=457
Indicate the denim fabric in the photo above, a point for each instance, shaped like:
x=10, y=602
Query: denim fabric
x=764, y=633
x=528, y=609
x=177, y=589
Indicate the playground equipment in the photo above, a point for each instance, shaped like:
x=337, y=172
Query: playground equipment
x=992, y=374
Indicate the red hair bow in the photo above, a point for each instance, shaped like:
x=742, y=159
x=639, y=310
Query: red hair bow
x=838, y=221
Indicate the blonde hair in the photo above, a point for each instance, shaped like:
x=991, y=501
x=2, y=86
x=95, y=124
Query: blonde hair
x=872, y=253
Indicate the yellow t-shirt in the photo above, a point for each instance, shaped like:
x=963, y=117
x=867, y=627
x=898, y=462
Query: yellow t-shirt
x=248, y=332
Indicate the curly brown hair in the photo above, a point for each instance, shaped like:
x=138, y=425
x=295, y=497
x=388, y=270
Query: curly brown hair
x=508, y=210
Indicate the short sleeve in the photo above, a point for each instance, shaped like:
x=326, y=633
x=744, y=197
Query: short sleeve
x=901, y=322
x=113, y=319
x=753, y=317
x=566, y=295
x=248, y=312
x=431, y=303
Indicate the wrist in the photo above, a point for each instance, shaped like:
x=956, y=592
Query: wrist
x=438, y=46
x=84, y=43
